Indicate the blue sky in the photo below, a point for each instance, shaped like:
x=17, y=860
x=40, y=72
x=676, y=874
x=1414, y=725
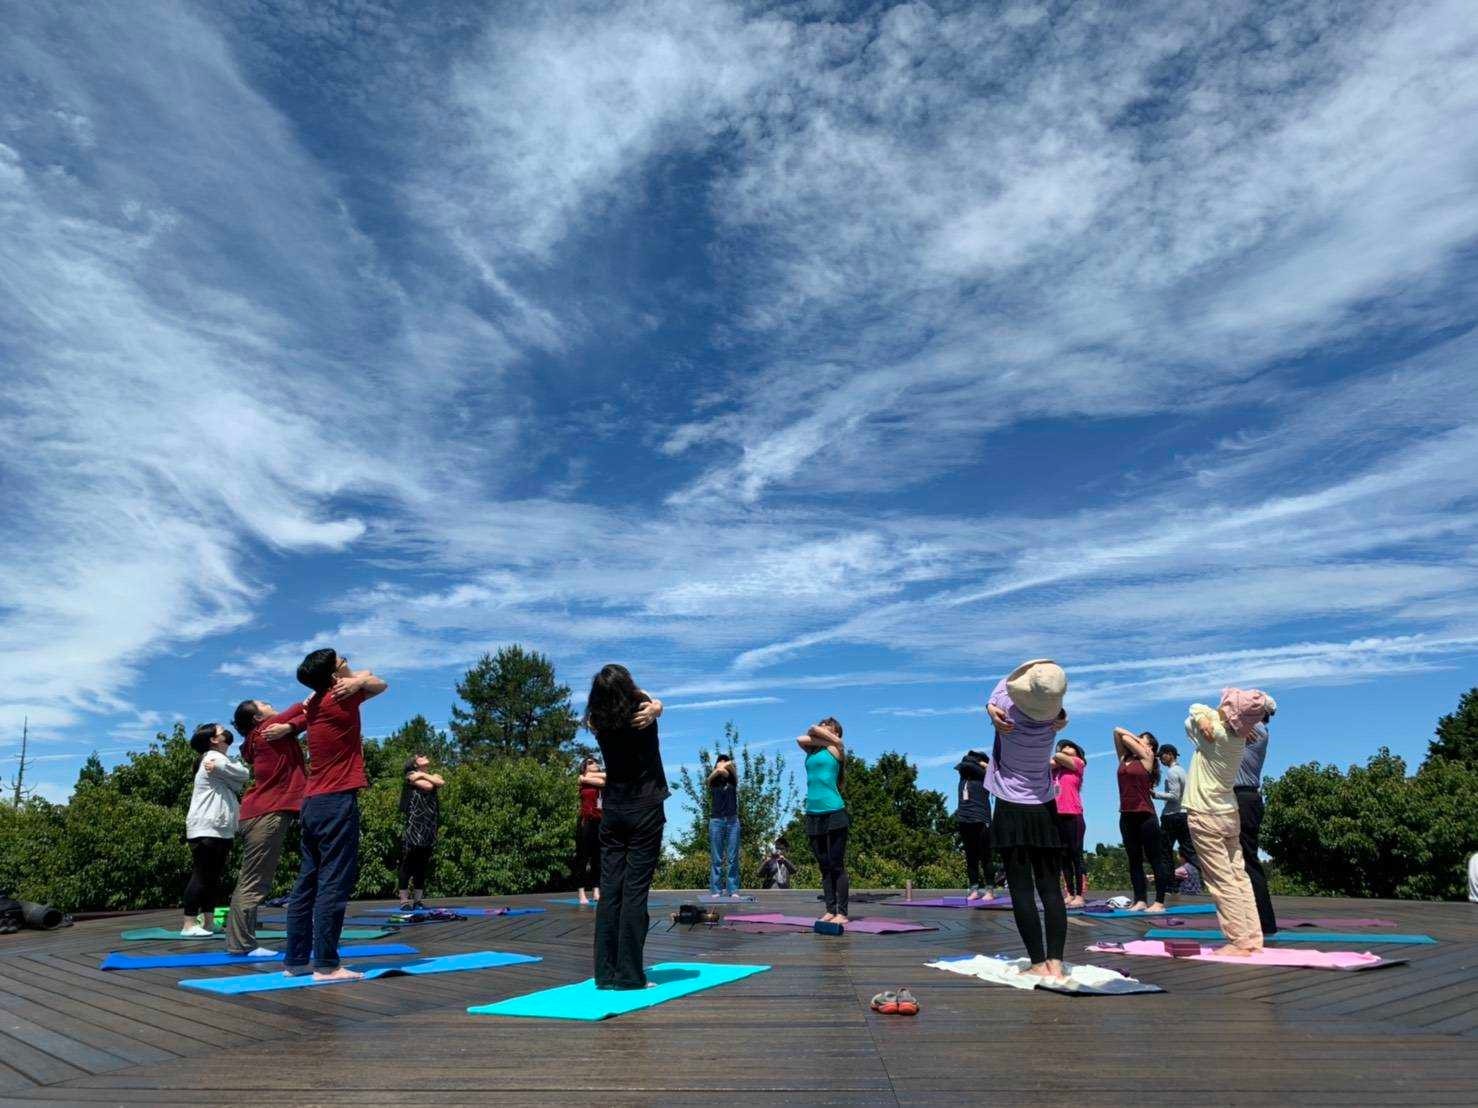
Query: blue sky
x=809, y=358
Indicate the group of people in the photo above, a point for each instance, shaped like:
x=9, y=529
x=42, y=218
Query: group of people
x=1213, y=812
x=323, y=803
x=1036, y=828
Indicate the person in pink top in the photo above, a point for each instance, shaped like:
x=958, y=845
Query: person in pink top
x=1067, y=773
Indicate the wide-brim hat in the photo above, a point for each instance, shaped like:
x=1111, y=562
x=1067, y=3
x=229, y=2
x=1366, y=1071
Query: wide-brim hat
x=1037, y=688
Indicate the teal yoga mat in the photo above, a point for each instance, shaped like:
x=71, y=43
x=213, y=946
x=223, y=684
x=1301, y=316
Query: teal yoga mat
x=220, y=958
x=162, y=934
x=1361, y=940
x=271, y=982
x=583, y=1001
x=1177, y=910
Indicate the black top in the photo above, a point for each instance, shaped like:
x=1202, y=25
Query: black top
x=633, y=760
x=974, y=801
x=422, y=810
x=725, y=801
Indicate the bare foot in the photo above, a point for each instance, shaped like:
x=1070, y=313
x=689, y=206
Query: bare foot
x=1155, y=908
x=1054, y=966
x=827, y=918
x=595, y=896
x=1038, y=970
x=584, y=900
x=839, y=918
x=974, y=895
x=1230, y=951
x=986, y=894
x=1074, y=902
x=340, y=974
x=1137, y=906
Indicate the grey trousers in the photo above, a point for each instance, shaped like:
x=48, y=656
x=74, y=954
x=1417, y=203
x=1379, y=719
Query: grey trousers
x=261, y=846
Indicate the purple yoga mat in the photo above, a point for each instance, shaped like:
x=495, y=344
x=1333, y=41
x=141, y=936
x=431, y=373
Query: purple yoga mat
x=866, y=926
x=951, y=902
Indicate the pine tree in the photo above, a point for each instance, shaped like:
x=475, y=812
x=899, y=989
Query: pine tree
x=1457, y=734
x=515, y=707
x=92, y=772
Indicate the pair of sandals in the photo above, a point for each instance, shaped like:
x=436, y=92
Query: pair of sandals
x=900, y=1003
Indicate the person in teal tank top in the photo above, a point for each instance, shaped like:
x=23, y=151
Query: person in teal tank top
x=826, y=812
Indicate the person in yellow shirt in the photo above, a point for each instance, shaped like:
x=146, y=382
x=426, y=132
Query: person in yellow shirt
x=1221, y=734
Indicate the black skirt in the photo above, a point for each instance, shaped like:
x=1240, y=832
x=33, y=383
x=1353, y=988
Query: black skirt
x=824, y=823
x=1029, y=825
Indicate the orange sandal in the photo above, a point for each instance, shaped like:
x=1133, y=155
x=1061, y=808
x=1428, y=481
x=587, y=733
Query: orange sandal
x=886, y=1003
x=905, y=1004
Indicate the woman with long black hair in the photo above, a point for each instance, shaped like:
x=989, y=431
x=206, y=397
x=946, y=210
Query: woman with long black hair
x=972, y=821
x=1067, y=774
x=1139, y=773
x=826, y=813
x=587, y=830
x=420, y=807
x=624, y=721
x=210, y=825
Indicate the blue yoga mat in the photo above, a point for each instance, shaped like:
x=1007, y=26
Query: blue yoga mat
x=1359, y=940
x=583, y=1001
x=1178, y=910
x=221, y=958
x=270, y=982
x=469, y=912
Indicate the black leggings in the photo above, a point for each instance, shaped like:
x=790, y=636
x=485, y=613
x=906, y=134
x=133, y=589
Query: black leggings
x=1032, y=871
x=415, y=863
x=831, y=855
x=1070, y=829
x=976, y=837
x=1141, y=834
x=208, y=859
x=587, y=854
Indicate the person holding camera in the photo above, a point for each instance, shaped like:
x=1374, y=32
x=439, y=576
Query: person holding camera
x=776, y=869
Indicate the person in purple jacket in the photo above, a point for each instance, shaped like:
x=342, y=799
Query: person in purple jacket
x=1026, y=708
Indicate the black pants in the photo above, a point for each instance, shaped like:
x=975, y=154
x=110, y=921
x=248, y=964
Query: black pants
x=1141, y=834
x=1070, y=829
x=415, y=863
x=1249, y=810
x=1175, y=835
x=1031, y=872
x=630, y=845
x=830, y=850
x=587, y=853
x=976, y=837
x=208, y=860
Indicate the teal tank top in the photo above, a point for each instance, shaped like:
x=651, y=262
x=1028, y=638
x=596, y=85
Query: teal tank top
x=821, y=783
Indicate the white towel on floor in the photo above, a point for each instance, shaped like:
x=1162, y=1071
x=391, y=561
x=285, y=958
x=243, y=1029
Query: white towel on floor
x=1008, y=971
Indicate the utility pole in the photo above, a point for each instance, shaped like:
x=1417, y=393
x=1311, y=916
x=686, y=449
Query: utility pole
x=18, y=783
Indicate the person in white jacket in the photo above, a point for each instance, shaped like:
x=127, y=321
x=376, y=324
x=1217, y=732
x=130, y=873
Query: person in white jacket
x=210, y=825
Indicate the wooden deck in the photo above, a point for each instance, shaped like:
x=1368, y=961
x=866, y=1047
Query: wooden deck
x=801, y=1034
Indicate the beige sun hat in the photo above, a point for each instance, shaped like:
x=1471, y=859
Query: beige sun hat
x=1037, y=688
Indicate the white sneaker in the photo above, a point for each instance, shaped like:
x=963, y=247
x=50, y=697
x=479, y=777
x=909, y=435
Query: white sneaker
x=196, y=932
x=262, y=952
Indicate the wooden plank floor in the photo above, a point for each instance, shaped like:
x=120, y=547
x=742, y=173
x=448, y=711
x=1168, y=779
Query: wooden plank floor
x=800, y=1034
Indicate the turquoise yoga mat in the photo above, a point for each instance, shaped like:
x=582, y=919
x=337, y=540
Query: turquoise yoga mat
x=271, y=982
x=140, y=934
x=1120, y=913
x=583, y=1001
x=1364, y=939
x=198, y=958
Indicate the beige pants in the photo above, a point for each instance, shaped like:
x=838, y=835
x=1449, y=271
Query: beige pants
x=261, y=846
x=1217, y=836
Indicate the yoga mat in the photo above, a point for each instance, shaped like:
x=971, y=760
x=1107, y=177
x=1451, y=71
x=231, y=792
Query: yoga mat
x=140, y=934
x=1301, y=959
x=1178, y=910
x=1081, y=980
x=469, y=912
x=1332, y=923
x=280, y=922
x=951, y=902
x=1295, y=937
x=270, y=982
x=725, y=899
x=805, y=923
x=221, y=958
x=583, y=1001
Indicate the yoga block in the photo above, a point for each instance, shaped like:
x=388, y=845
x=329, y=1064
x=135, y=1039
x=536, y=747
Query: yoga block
x=1183, y=948
x=826, y=927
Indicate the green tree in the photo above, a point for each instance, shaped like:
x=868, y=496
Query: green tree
x=1372, y=830
x=514, y=708
x=92, y=772
x=1457, y=734
x=164, y=774
x=387, y=757
x=766, y=797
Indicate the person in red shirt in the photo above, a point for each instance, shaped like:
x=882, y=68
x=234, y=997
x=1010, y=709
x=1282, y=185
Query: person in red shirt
x=269, y=744
x=587, y=830
x=330, y=813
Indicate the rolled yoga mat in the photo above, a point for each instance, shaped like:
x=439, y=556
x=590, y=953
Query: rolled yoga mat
x=1293, y=937
x=583, y=1001
x=162, y=934
x=272, y=982
x=1297, y=959
x=221, y=958
x=41, y=917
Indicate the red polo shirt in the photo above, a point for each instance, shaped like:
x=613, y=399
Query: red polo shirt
x=277, y=766
x=335, y=745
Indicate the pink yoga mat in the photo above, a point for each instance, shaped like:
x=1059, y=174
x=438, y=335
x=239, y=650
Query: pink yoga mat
x=867, y=926
x=1306, y=959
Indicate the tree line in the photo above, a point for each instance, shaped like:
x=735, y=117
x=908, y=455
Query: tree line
x=510, y=804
